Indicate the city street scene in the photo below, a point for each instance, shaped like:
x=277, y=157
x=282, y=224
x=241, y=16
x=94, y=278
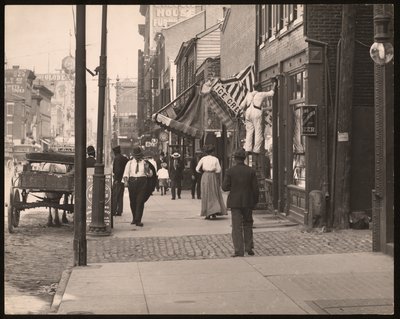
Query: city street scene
x=199, y=159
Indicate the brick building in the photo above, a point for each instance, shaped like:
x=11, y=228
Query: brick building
x=298, y=44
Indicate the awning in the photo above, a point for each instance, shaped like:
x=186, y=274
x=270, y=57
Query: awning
x=184, y=115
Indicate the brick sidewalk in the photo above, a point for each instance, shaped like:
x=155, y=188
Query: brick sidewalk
x=276, y=243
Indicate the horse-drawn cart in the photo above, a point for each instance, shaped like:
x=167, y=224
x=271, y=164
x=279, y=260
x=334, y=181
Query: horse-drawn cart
x=48, y=173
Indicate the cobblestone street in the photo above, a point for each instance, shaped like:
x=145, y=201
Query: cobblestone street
x=276, y=243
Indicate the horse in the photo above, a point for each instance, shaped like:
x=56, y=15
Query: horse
x=55, y=197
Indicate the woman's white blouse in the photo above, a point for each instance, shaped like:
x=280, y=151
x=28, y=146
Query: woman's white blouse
x=209, y=163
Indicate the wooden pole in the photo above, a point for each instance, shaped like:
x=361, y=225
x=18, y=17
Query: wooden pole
x=344, y=126
x=80, y=255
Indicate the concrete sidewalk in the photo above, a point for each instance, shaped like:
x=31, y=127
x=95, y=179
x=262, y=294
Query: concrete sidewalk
x=356, y=283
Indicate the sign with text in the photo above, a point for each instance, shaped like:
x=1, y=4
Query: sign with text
x=107, y=200
x=219, y=89
x=309, y=120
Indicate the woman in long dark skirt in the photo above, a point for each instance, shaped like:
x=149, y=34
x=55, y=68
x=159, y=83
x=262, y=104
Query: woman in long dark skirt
x=212, y=202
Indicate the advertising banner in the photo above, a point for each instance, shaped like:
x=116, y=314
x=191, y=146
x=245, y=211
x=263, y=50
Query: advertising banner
x=107, y=201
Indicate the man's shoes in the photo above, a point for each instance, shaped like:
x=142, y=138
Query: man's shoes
x=139, y=224
x=173, y=198
x=236, y=255
x=199, y=197
x=133, y=222
x=192, y=197
x=250, y=252
x=179, y=197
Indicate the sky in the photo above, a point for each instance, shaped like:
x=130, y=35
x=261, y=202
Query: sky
x=38, y=37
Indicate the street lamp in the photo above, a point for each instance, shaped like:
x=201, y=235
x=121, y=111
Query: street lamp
x=381, y=51
x=97, y=225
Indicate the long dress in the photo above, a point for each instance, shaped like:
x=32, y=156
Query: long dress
x=212, y=201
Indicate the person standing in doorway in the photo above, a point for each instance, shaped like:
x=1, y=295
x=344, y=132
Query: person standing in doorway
x=212, y=202
x=241, y=182
x=196, y=176
x=176, y=175
x=118, y=187
x=136, y=174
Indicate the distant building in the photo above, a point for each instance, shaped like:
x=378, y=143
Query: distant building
x=18, y=109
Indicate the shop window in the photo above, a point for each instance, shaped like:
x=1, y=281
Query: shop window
x=268, y=137
x=297, y=94
x=299, y=142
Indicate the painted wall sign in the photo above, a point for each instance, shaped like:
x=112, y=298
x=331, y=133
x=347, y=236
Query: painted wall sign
x=309, y=120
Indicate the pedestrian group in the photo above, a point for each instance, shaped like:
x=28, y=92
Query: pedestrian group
x=142, y=175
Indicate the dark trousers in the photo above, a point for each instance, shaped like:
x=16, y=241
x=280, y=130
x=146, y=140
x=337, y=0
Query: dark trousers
x=137, y=192
x=176, y=188
x=117, y=198
x=242, y=230
x=196, y=187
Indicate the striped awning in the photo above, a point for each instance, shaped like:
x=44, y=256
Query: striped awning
x=226, y=95
x=184, y=115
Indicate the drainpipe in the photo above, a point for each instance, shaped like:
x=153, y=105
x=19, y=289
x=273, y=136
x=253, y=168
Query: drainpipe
x=335, y=124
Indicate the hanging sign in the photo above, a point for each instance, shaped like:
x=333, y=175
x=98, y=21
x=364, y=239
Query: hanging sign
x=309, y=120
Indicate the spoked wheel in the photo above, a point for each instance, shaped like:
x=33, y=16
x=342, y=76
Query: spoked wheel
x=10, y=214
x=15, y=212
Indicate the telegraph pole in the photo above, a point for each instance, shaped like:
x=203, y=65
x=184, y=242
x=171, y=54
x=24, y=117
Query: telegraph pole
x=80, y=255
x=97, y=225
x=344, y=125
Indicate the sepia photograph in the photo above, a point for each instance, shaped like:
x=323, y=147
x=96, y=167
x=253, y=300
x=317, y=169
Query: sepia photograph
x=199, y=159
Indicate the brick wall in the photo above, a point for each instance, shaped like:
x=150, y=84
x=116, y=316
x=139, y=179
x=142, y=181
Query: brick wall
x=238, y=40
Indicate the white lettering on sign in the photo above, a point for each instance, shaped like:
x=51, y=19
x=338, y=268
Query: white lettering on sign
x=343, y=137
x=224, y=95
x=171, y=14
x=52, y=77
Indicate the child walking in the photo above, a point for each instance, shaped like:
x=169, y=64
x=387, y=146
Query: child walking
x=163, y=177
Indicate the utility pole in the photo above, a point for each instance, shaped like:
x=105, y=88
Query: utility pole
x=97, y=225
x=80, y=255
x=344, y=126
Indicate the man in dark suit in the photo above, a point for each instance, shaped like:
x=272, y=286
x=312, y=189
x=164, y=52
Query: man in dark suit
x=117, y=199
x=176, y=175
x=196, y=176
x=91, y=159
x=241, y=182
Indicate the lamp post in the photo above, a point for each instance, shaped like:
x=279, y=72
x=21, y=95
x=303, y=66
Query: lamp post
x=381, y=50
x=97, y=225
x=383, y=193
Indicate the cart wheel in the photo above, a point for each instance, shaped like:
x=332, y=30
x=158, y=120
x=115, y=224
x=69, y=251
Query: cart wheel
x=10, y=212
x=16, y=213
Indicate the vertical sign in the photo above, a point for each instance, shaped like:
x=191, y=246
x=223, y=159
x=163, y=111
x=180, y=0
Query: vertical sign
x=309, y=120
x=107, y=200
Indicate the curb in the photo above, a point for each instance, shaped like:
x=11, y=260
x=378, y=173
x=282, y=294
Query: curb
x=62, y=285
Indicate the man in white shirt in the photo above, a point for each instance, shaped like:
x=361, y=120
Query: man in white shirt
x=136, y=172
x=252, y=106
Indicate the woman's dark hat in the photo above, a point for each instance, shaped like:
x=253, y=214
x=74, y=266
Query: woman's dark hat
x=117, y=149
x=240, y=154
x=137, y=153
x=209, y=148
